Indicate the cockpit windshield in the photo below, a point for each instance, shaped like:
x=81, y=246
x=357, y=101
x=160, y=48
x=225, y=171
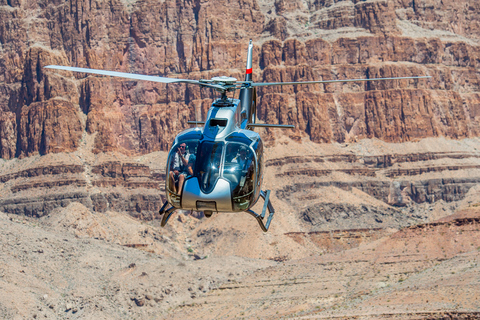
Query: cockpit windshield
x=207, y=167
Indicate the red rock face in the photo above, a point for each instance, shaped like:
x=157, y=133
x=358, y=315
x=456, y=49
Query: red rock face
x=8, y=135
x=48, y=111
x=52, y=126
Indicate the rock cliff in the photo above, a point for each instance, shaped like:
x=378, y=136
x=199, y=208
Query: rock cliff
x=44, y=111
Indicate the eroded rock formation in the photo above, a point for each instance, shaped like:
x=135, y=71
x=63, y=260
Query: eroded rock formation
x=294, y=41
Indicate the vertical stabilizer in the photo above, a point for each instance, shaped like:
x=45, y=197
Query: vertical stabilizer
x=248, y=72
x=246, y=94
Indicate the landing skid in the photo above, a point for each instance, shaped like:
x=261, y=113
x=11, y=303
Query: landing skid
x=166, y=213
x=271, y=211
x=267, y=205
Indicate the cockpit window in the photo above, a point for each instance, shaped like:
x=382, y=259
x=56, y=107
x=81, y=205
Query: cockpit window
x=207, y=167
x=239, y=170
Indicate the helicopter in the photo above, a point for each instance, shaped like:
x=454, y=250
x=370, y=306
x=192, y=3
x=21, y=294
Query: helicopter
x=220, y=167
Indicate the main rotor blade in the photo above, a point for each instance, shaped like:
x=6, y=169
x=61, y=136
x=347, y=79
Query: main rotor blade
x=331, y=81
x=133, y=76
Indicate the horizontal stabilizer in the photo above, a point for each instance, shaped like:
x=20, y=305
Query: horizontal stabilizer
x=253, y=125
x=265, y=125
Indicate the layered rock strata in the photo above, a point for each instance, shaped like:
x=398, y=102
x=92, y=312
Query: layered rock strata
x=342, y=187
x=45, y=112
x=114, y=186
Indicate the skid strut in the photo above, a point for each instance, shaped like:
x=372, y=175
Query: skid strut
x=162, y=210
x=267, y=205
x=166, y=213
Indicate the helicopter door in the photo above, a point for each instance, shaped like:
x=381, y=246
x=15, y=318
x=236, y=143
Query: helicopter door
x=181, y=162
x=239, y=170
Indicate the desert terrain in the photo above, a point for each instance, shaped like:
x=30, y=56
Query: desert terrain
x=341, y=254
x=376, y=191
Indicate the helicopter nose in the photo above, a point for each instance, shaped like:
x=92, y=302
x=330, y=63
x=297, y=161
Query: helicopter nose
x=219, y=199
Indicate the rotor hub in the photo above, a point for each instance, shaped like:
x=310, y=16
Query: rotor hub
x=224, y=80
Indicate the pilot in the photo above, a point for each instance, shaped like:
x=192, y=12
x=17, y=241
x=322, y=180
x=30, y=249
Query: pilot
x=245, y=185
x=241, y=158
x=180, y=167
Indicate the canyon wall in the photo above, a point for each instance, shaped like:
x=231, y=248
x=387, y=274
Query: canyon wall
x=79, y=119
x=45, y=111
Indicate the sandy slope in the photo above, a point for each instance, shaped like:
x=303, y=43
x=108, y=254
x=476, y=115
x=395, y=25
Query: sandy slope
x=79, y=264
x=57, y=275
x=53, y=268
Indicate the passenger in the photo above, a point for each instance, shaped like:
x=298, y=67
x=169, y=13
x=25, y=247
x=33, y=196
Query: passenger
x=179, y=168
x=245, y=185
